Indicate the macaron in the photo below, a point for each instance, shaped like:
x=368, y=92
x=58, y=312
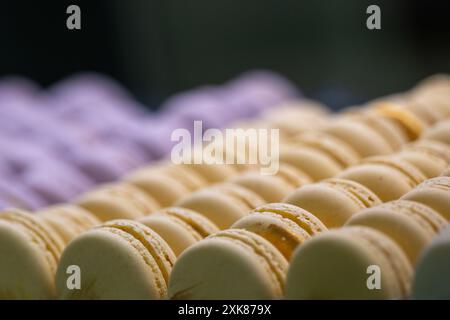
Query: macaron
x=212, y=173
x=428, y=163
x=362, y=138
x=284, y=225
x=159, y=186
x=432, y=278
x=117, y=201
x=67, y=220
x=346, y=263
x=410, y=224
x=439, y=132
x=189, y=178
x=315, y=163
x=232, y=264
x=223, y=204
x=121, y=259
x=438, y=149
x=272, y=188
x=340, y=151
x=387, y=177
x=413, y=126
x=179, y=227
x=387, y=128
x=333, y=201
x=30, y=252
x=434, y=193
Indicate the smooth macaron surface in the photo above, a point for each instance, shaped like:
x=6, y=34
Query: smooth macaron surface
x=232, y=264
x=337, y=265
x=434, y=193
x=121, y=259
x=333, y=201
x=117, y=201
x=285, y=226
x=223, y=204
x=30, y=252
x=179, y=227
x=410, y=224
x=387, y=182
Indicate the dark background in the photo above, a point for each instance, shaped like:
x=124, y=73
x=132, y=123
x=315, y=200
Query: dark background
x=158, y=47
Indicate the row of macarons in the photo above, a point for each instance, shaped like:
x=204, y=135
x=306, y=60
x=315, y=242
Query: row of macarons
x=216, y=207
x=85, y=130
x=223, y=204
x=276, y=250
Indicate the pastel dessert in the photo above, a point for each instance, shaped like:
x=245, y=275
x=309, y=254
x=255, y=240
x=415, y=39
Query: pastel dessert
x=434, y=193
x=338, y=264
x=67, y=220
x=315, y=163
x=340, y=151
x=232, y=264
x=431, y=279
x=387, y=177
x=410, y=224
x=117, y=201
x=428, y=163
x=179, y=227
x=412, y=124
x=121, y=259
x=362, y=138
x=159, y=186
x=272, y=188
x=438, y=149
x=333, y=201
x=30, y=252
x=387, y=128
x=439, y=132
x=284, y=225
x=223, y=204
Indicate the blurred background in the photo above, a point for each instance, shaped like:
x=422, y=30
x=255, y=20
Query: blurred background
x=158, y=47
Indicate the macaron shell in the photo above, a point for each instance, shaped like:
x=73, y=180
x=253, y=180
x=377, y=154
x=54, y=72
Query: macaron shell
x=329, y=205
x=221, y=209
x=202, y=225
x=24, y=269
x=118, y=273
x=165, y=190
x=386, y=182
x=283, y=233
x=403, y=229
x=270, y=188
x=212, y=172
x=439, y=200
x=340, y=151
x=177, y=234
x=314, y=163
x=220, y=267
x=431, y=166
x=334, y=265
x=363, y=139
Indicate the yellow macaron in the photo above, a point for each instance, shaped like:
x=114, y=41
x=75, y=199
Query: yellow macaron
x=333, y=201
x=121, y=259
x=284, y=225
